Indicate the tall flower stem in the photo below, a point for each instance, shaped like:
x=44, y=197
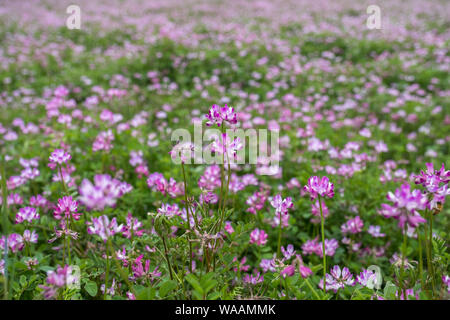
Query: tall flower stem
x=188, y=216
x=5, y=223
x=166, y=253
x=428, y=251
x=279, y=239
x=106, y=275
x=402, y=285
x=312, y=289
x=121, y=271
x=62, y=181
x=430, y=247
x=419, y=239
x=322, y=223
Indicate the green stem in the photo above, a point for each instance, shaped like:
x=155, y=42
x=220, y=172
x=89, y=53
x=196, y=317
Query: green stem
x=312, y=289
x=167, y=257
x=419, y=239
x=188, y=217
x=427, y=251
x=122, y=273
x=279, y=239
x=106, y=275
x=433, y=275
x=402, y=286
x=62, y=180
x=5, y=227
x=322, y=223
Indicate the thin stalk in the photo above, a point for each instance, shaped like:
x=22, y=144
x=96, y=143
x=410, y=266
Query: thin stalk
x=427, y=251
x=62, y=180
x=279, y=238
x=322, y=223
x=106, y=275
x=122, y=273
x=167, y=257
x=402, y=286
x=419, y=239
x=312, y=289
x=188, y=217
x=433, y=275
x=5, y=228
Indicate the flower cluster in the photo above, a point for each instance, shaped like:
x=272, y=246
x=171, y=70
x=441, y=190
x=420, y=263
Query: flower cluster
x=66, y=209
x=58, y=157
x=157, y=182
x=64, y=276
x=217, y=115
x=104, y=228
x=258, y=237
x=27, y=214
x=338, y=279
x=406, y=206
x=103, y=193
x=319, y=187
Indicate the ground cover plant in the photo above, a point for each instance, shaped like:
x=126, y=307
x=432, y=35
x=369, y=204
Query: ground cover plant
x=98, y=201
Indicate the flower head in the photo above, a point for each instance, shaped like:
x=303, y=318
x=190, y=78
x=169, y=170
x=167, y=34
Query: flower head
x=59, y=157
x=102, y=227
x=259, y=237
x=27, y=214
x=338, y=279
x=319, y=187
x=66, y=208
x=406, y=204
x=217, y=115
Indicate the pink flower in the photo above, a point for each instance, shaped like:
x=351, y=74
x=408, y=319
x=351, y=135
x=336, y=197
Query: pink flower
x=224, y=145
x=322, y=187
x=30, y=236
x=210, y=179
x=281, y=205
x=66, y=208
x=15, y=242
x=256, y=201
x=253, y=279
x=288, y=271
x=259, y=237
x=103, y=141
x=431, y=179
x=367, y=278
x=288, y=252
x=353, y=226
x=217, y=115
x=169, y=210
x=374, y=231
x=59, y=279
x=132, y=227
x=59, y=157
x=229, y=227
x=337, y=279
x=102, y=227
x=27, y=214
x=406, y=204
x=103, y=193
x=304, y=271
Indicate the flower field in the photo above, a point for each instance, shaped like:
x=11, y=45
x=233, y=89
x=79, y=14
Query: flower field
x=224, y=150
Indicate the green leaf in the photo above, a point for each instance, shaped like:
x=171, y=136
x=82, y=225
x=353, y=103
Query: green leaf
x=389, y=290
x=166, y=287
x=91, y=288
x=192, y=279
